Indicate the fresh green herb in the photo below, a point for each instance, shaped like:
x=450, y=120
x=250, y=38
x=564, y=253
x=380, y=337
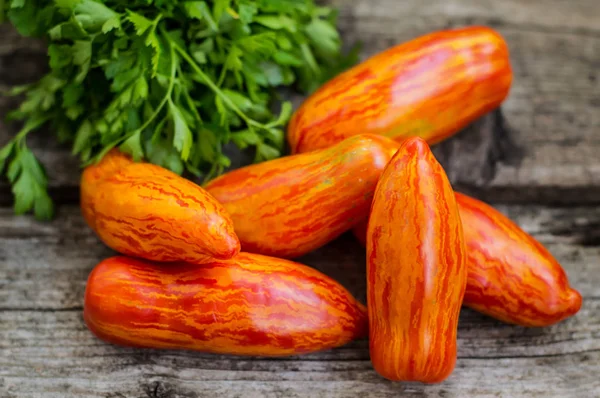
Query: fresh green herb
x=164, y=80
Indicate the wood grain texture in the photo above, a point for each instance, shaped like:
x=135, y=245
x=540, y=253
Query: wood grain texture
x=46, y=349
x=53, y=355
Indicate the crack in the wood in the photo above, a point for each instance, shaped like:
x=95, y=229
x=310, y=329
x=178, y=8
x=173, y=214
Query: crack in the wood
x=556, y=355
x=159, y=389
x=80, y=308
x=488, y=141
x=586, y=235
x=533, y=28
x=41, y=309
x=548, y=196
x=155, y=390
x=348, y=27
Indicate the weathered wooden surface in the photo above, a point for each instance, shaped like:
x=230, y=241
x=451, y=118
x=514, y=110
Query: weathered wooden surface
x=547, y=153
x=45, y=347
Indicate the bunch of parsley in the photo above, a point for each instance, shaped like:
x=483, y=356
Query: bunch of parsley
x=165, y=80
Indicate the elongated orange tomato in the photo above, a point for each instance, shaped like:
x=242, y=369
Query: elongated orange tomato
x=511, y=276
x=429, y=87
x=250, y=305
x=146, y=211
x=416, y=271
x=290, y=206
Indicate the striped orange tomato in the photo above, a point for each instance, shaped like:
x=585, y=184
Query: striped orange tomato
x=250, y=305
x=290, y=206
x=511, y=276
x=429, y=87
x=146, y=211
x=416, y=270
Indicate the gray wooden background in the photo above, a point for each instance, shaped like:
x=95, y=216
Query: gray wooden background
x=542, y=169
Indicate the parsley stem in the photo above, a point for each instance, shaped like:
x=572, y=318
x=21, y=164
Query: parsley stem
x=156, y=112
x=214, y=87
x=167, y=96
x=188, y=98
x=31, y=124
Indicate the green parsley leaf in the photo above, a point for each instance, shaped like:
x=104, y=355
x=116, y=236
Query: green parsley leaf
x=266, y=152
x=323, y=36
x=82, y=56
x=160, y=152
x=29, y=185
x=114, y=23
x=167, y=81
x=83, y=136
x=92, y=15
x=276, y=136
x=245, y=137
x=219, y=8
x=182, y=139
x=199, y=10
x=284, y=114
x=5, y=154
x=277, y=22
x=140, y=23
x=133, y=146
x=68, y=4
x=247, y=11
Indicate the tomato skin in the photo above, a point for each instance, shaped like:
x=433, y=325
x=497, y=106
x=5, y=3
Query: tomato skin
x=146, y=211
x=290, y=206
x=430, y=87
x=249, y=305
x=416, y=270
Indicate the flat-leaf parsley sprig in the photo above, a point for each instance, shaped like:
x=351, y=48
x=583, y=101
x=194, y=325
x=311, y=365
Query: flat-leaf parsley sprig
x=164, y=80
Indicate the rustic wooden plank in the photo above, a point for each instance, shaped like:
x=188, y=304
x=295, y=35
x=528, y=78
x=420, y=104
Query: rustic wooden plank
x=45, y=347
x=52, y=354
x=579, y=16
x=553, y=109
x=478, y=338
x=45, y=265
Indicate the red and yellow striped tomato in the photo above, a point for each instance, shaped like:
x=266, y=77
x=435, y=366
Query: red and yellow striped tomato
x=290, y=206
x=146, y=211
x=429, y=87
x=511, y=276
x=249, y=305
x=416, y=270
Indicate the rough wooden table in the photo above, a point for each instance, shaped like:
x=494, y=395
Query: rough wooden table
x=545, y=175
